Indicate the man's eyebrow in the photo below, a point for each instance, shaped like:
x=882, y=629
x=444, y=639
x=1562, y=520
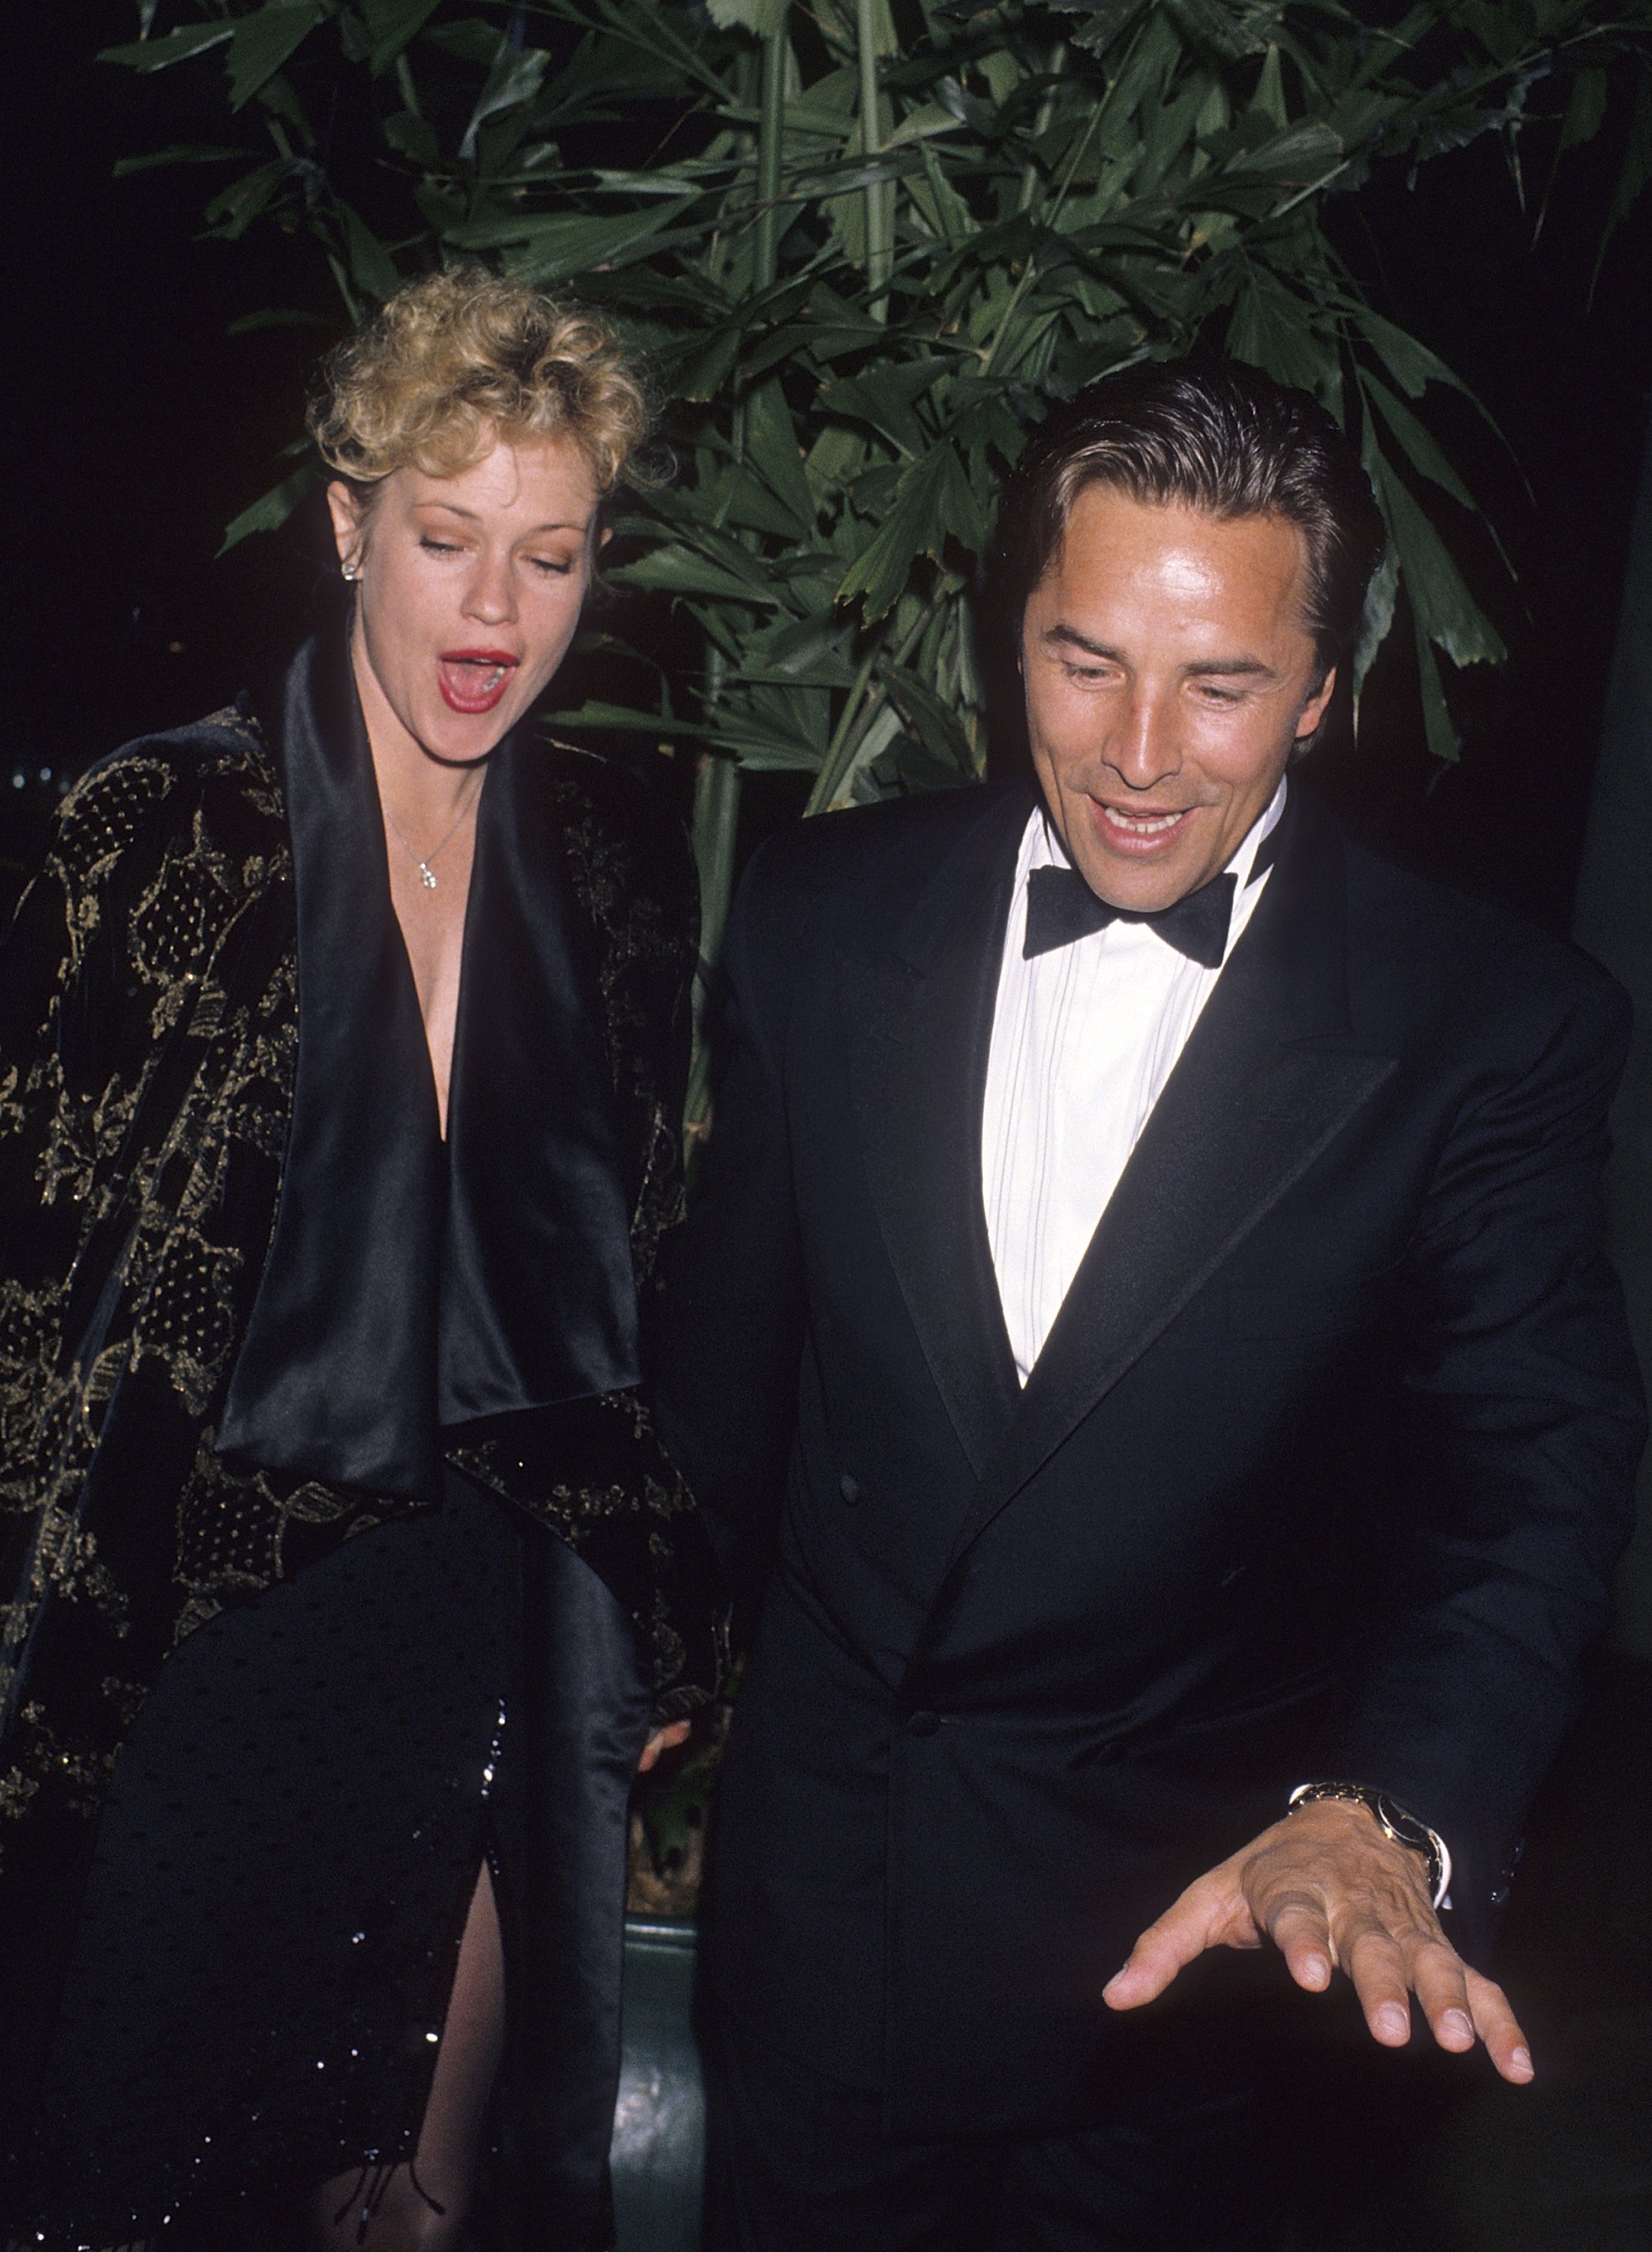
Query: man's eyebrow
x=1226, y=667
x=1070, y=637
x=1229, y=667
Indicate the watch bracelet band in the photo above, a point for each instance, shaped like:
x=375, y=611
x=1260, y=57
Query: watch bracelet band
x=1394, y=1822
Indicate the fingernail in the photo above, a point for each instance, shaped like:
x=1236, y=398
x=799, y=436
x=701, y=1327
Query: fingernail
x=1391, y=2021
x=1520, y=2063
x=1316, y=1970
x=1457, y=2025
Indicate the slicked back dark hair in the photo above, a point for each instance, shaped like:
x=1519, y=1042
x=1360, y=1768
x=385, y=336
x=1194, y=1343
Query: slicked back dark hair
x=1212, y=434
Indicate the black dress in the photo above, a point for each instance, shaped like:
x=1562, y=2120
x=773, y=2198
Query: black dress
x=268, y=1934
x=483, y=1578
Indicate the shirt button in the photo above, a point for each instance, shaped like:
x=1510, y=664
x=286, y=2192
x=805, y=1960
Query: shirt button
x=850, y=1487
x=923, y=1724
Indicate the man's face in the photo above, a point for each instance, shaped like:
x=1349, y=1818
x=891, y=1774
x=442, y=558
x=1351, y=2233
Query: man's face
x=1169, y=674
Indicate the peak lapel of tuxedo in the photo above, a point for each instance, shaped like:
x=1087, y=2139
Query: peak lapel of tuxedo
x=1267, y=1082
x=920, y=1014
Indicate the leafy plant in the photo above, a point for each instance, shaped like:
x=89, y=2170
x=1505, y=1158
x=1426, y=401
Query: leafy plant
x=864, y=243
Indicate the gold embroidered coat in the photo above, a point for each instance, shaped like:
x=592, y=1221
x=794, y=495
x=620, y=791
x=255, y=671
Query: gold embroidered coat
x=149, y=1036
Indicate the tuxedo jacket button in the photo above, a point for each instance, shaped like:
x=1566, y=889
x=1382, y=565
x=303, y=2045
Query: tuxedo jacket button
x=923, y=1724
x=850, y=1487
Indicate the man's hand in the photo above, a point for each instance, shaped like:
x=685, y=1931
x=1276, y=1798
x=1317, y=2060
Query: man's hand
x=663, y=1739
x=1330, y=1889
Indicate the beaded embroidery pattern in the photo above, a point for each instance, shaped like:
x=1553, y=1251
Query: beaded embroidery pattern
x=148, y=1046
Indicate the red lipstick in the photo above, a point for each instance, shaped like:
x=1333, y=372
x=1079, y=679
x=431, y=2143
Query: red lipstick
x=473, y=680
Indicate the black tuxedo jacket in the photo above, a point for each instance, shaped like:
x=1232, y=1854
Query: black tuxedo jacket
x=1321, y=1471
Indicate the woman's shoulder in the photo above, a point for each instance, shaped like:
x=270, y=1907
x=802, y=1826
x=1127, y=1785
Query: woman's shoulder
x=213, y=778
x=616, y=822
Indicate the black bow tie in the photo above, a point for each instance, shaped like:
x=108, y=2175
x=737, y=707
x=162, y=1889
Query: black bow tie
x=1061, y=906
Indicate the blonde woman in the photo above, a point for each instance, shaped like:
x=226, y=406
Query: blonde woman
x=342, y=1044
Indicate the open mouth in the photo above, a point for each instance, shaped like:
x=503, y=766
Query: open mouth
x=473, y=680
x=1138, y=832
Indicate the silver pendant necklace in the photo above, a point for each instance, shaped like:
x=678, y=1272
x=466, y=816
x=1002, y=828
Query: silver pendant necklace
x=427, y=874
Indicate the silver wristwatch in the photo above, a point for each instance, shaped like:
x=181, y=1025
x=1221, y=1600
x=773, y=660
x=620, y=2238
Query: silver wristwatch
x=1394, y=1822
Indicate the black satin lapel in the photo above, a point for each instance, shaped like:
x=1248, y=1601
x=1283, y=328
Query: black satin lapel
x=539, y=1299
x=1260, y=1091
x=919, y=1079
x=333, y=1379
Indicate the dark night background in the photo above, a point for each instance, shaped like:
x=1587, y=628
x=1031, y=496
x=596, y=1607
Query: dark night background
x=139, y=428
x=142, y=428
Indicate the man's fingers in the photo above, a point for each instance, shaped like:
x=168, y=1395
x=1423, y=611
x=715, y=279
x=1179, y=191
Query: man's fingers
x=1298, y=1926
x=1332, y=1892
x=1497, y=2027
x=1440, y=1976
x=1374, y=1960
x=1162, y=1949
x=1459, y=2005
x=1212, y=1913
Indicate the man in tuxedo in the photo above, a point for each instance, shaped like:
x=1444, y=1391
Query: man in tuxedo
x=1146, y=1315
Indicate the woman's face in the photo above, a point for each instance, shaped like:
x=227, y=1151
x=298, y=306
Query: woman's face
x=470, y=588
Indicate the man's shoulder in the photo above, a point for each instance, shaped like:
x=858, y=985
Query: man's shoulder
x=1468, y=958
x=873, y=860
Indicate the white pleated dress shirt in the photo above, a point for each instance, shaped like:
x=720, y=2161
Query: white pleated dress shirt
x=1083, y=1039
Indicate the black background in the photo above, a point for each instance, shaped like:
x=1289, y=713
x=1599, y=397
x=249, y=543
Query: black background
x=138, y=428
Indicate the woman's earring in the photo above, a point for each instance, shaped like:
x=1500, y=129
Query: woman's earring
x=352, y=571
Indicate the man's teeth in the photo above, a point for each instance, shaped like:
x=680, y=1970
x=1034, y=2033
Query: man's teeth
x=1146, y=823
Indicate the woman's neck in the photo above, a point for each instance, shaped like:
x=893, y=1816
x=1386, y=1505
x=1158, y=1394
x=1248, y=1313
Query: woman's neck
x=430, y=839
x=422, y=796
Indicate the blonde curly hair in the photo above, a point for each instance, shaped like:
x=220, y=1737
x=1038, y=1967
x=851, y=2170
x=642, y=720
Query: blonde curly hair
x=460, y=358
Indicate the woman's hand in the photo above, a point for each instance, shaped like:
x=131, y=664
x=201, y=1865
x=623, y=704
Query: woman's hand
x=663, y=1739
